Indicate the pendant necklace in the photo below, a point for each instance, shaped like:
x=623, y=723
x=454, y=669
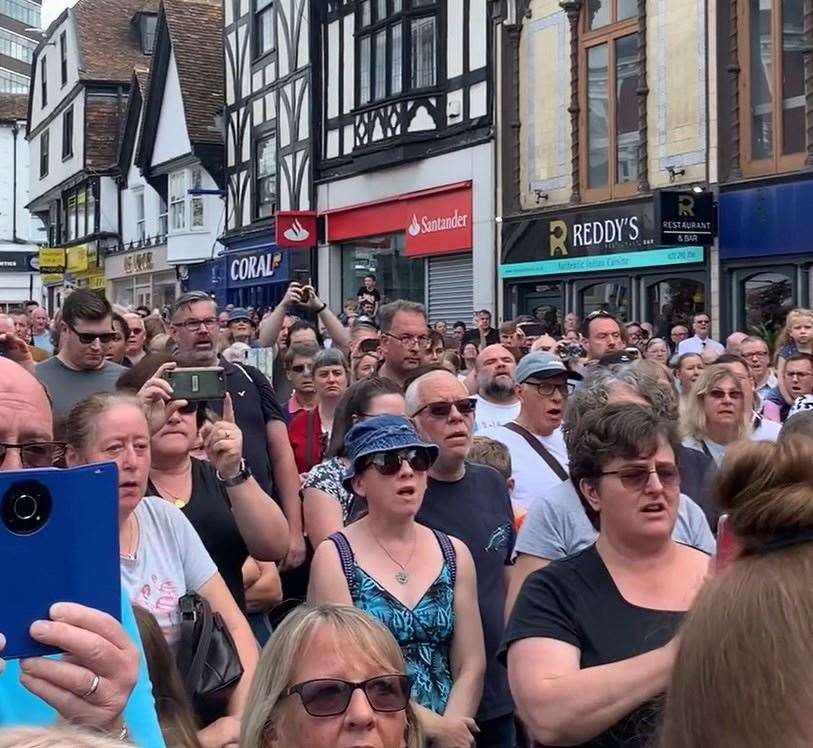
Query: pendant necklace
x=401, y=575
x=178, y=501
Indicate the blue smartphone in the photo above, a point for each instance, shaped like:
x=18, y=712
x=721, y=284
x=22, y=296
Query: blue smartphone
x=59, y=542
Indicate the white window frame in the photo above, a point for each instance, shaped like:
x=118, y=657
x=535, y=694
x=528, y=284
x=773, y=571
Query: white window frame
x=177, y=201
x=141, y=219
x=197, y=205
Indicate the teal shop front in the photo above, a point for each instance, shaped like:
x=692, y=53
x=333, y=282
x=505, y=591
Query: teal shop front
x=607, y=257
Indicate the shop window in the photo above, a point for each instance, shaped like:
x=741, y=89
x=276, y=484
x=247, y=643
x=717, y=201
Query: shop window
x=772, y=81
x=264, y=40
x=386, y=66
x=674, y=302
x=609, y=122
x=266, y=177
x=397, y=276
x=611, y=296
x=767, y=298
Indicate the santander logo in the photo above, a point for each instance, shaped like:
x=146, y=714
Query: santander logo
x=297, y=232
x=427, y=225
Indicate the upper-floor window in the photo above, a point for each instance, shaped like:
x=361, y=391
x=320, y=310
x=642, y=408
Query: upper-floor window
x=11, y=82
x=79, y=217
x=148, y=24
x=63, y=58
x=186, y=208
x=141, y=221
x=67, y=133
x=163, y=223
x=264, y=40
x=17, y=46
x=45, y=139
x=772, y=81
x=265, y=170
x=177, y=200
x=23, y=11
x=397, y=47
x=44, y=82
x=197, y=217
x=609, y=101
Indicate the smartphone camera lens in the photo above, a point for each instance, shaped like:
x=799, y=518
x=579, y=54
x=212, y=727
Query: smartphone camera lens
x=26, y=507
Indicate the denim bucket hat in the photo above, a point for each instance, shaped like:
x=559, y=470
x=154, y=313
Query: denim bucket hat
x=381, y=434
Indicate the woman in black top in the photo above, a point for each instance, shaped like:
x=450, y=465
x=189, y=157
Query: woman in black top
x=234, y=517
x=590, y=643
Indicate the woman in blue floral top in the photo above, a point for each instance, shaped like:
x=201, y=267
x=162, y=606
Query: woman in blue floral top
x=419, y=583
x=327, y=505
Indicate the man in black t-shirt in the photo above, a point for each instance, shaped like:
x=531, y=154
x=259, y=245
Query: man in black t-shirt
x=368, y=292
x=469, y=502
x=266, y=449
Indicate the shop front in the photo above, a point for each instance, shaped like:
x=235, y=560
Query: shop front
x=141, y=277
x=766, y=253
x=258, y=277
x=19, y=275
x=608, y=258
x=417, y=245
x=84, y=268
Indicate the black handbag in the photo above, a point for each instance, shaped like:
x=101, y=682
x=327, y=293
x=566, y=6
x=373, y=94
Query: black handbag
x=207, y=658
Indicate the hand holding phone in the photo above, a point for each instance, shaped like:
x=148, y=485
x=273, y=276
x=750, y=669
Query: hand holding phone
x=200, y=383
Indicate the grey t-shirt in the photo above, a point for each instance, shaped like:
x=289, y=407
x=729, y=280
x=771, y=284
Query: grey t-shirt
x=68, y=386
x=557, y=525
x=169, y=562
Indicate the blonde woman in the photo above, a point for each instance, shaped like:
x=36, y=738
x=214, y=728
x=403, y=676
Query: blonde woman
x=330, y=676
x=714, y=413
x=54, y=737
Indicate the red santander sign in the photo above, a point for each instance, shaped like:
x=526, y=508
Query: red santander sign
x=435, y=221
x=439, y=223
x=296, y=229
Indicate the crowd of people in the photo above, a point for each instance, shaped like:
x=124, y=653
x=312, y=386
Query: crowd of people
x=414, y=532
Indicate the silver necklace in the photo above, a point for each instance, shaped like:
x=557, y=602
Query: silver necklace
x=401, y=575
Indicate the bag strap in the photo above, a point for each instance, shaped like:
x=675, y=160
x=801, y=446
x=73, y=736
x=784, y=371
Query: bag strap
x=247, y=375
x=190, y=604
x=347, y=559
x=449, y=553
x=540, y=449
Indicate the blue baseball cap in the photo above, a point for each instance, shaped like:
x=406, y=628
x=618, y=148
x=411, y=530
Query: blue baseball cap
x=541, y=365
x=381, y=434
x=239, y=314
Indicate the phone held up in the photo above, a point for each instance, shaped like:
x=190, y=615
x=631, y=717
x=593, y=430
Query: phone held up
x=59, y=542
x=204, y=383
x=303, y=278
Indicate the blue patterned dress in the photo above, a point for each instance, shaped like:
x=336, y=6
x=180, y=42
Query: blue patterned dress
x=424, y=632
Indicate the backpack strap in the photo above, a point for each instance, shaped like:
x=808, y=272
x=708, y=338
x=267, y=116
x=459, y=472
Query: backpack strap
x=540, y=449
x=449, y=553
x=348, y=560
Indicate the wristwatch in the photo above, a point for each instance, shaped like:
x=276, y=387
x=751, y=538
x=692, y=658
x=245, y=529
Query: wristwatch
x=242, y=476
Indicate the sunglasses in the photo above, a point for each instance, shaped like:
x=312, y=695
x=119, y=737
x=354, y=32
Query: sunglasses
x=35, y=454
x=636, y=478
x=389, y=463
x=720, y=394
x=329, y=697
x=302, y=368
x=465, y=407
x=598, y=313
x=190, y=407
x=87, y=338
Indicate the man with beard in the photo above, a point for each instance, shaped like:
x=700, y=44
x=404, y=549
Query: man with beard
x=497, y=403
x=534, y=438
x=268, y=455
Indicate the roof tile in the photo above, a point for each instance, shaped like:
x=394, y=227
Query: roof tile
x=13, y=107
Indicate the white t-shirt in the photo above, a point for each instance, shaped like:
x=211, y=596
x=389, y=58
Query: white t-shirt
x=169, y=562
x=696, y=344
x=530, y=472
x=488, y=414
x=767, y=431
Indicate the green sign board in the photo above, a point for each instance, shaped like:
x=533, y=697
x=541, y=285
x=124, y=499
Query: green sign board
x=623, y=261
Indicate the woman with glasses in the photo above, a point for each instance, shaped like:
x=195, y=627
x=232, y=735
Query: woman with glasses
x=590, y=643
x=714, y=414
x=309, y=430
x=419, y=583
x=330, y=677
x=327, y=505
x=231, y=513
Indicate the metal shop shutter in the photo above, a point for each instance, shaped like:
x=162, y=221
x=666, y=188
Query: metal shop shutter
x=450, y=291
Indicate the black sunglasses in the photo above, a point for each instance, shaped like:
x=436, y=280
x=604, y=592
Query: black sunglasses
x=389, y=463
x=35, y=454
x=301, y=368
x=465, y=407
x=329, y=697
x=190, y=407
x=87, y=338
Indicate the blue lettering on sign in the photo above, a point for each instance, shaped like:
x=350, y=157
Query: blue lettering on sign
x=648, y=258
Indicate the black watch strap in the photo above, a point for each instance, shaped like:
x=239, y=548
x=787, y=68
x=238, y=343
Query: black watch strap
x=241, y=477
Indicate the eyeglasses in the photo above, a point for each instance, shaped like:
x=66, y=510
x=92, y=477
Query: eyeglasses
x=717, y=394
x=302, y=368
x=756, y=354
x=88, y=338
x=136, y=331
x=190, y=407
x=636, y=478
x=702, y=321
x=465, y=407
x=546, y=389
x=410, y=341
x=329, y=697
x=598, y=313
x=35, y=454
x=389, y=463
x=193, y=325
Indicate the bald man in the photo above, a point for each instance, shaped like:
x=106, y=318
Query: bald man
x=105, y=655
x=734, y=341
x=497, y=403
